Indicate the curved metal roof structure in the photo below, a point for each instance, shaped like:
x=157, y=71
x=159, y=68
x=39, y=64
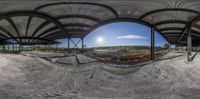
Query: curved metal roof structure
x=36, y=21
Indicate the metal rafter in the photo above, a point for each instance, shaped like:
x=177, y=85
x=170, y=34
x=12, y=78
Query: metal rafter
x=69, y=30
x=168, y=9
x=78, y=16
x=5, y=37
x=171, y=21
x=28, y=24
x=12, y=23
x=40, y=27
x=172, y=33
x=84, y=3
x=171, y=28
x=187, y=25
x=72, y=24
x=28, y=13
x=30, y=38
x=35, y=14
x=65, y=25
x=6, y=31
x=110, y=6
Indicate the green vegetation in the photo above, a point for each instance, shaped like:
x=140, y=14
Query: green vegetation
x=126, y=53
x=166, y=46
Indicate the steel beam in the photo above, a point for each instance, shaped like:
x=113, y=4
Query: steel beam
x=12, y=23
x=4, y=48
x=168, y=9
x=82, y=45
x=83, y=3
x=152, y=43
x=13, y=45
x=68, y=48
x=57, y=47
x=65, y=25
x=189, y=44
x=171, y=22
x=40, y=27
x=5, y=31
x=34, y=14
x=75, y=44
x=78, y=16
x=171, y=28
x=49, y=47
x=28, y=24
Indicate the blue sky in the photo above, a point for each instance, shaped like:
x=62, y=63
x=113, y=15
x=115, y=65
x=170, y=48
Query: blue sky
x=119, y=34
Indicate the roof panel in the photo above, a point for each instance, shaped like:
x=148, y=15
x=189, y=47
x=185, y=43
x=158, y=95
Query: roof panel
x=94, y=12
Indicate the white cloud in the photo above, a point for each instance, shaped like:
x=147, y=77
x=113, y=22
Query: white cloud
x=131, y=37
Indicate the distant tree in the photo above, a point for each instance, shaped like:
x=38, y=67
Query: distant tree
x=166, y=46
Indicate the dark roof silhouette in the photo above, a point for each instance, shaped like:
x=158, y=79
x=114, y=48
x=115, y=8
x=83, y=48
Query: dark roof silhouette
x=40, y=21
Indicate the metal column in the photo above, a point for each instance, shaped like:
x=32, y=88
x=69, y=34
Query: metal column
x=189, y=44
x=196, y=47
x=8, y=46
x=57, y=47
x=49, y=47
x=19, y=47
x=4, y=49
x=170, y=47
x=82, y=45
x=38, y=47
x=152, y=43
x=68, y=48
x=22, y=47
x=13, y=45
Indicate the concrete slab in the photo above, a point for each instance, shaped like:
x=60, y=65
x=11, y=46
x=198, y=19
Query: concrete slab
x=83, y=59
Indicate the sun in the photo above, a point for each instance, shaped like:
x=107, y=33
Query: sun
x=100, y=40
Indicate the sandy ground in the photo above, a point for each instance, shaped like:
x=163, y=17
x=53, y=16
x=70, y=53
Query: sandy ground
x=28, y=76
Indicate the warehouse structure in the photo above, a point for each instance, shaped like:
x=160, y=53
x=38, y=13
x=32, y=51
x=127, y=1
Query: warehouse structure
x=36, y=22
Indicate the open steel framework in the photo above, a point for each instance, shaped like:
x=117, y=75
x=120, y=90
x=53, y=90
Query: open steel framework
x=43, y=21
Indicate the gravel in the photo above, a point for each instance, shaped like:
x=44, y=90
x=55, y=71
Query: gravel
x=28, y=76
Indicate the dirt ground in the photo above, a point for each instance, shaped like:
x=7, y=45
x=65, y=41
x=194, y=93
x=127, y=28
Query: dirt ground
x=28, y=76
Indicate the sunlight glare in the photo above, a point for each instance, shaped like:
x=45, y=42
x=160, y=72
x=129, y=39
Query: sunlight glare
x=100, y=40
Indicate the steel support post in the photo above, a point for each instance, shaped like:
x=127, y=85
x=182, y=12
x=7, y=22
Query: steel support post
x=35, y=47
x=196, y=48
x=68, y=48
x=82, y=45
x=8, y=46
x=57, y=47
x=177, y=47
x=22, y=47
x=38, y=47
x=189, y=44
x=13, y=45
x=49, y=47
x=4, y=49
x=152, y=43
x=46, y=47
x=19, y=47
